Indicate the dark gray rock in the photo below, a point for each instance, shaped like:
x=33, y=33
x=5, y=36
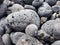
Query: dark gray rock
x=37, y=3
x=56, y=8
x=28, y=1
x=16, y=8
x=1, y=1
x=3, y=9
x=51, y=2
x=45, y=10
x=1, y=31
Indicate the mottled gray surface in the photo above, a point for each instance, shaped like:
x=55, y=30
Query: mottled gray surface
x=27, y=40
x=18, y=20
x=31, y=30
x=16, y=36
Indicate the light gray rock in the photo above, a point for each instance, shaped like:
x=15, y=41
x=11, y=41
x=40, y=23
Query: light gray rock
x=8, y=2
x=1, y=1
x=27, y=40
x=48, y=26
x=6, y=39
x=58, y=3
x=56, y=8
x=28, y=1
x=19, y=20
x=56, y=43
x=31, y=30
x=16, y=7
x=16, y=36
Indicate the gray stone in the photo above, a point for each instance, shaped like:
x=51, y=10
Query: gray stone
x=16, y=8
x=27, y=40
x=56, y=8
x=31, y=30
x=19, y=20
x=6, y=39
x=37, y=3
x=3, y=9
x=16, y=36
x=45, y=10
x=56, y=43
x=29, y=7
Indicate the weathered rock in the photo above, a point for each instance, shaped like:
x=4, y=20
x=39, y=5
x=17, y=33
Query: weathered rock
x=19, y=20
x=6, y=39
x=31, y=30
x=16, y=36
x=27, y=40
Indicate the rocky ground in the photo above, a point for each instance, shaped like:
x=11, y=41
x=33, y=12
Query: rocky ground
x=29, y=22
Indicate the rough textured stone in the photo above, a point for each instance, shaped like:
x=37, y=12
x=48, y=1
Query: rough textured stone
x=31, y=30
x=6, y=39
x=16, y=7
x=19, y=20
x=27, y=40
x=16, y=36
x=51, y=2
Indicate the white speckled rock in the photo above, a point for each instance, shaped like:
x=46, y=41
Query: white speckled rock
x=16, y=7
x=6, y=39
x=19, y=20
x=31, y=30
x=8, y=2
x=56, y=43
x=16, y=36
x=27, y=40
